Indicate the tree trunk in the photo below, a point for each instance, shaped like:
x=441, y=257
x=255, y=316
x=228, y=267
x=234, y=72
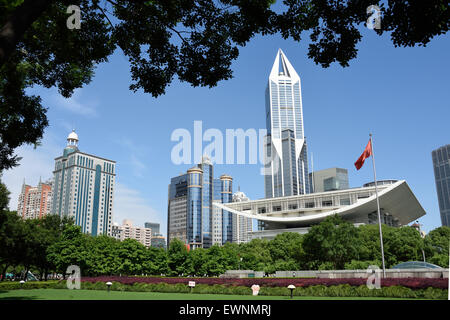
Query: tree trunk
x=4, y=272
x=17, y=24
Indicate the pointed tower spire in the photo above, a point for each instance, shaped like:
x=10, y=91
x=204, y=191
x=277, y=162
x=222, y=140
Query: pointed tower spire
x=283, y=68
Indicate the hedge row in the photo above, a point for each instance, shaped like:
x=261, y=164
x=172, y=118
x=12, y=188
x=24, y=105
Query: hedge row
x=52, y=284
x=342, y=290
x=413, y=283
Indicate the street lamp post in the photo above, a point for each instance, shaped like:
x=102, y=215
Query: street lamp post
x=291, y=287
x=109, y=284
x=423, y=236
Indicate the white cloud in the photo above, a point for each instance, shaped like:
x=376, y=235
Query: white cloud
x=137, y=166
x=68, y=127
x=131, y=204
x=74, y=104
x=36, y=163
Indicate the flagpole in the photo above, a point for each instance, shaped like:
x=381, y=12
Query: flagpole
x=378, y=205
x=312, y=174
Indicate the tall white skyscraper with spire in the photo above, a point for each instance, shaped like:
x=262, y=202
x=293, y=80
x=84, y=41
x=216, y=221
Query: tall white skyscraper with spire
x=83, y=188
x=286, y=150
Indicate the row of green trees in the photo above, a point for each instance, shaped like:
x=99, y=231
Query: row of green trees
x=51, y=244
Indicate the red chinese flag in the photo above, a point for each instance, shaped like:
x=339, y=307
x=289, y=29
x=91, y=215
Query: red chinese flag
x=367, y=153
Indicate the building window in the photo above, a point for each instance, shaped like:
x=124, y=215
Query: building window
x=309, y=205
x=327, y=203
x=262, y=210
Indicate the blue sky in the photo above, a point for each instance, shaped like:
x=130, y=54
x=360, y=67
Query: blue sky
x=401, y=95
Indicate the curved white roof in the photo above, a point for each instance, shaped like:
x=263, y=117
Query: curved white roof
x=72, y=136
x=397, y=199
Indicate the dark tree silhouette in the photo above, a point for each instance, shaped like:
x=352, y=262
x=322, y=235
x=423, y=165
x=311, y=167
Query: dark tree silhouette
x=193, y=40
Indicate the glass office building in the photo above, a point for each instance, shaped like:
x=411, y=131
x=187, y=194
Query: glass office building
x=441, y=165
x=190, y=209
x=329, y=180
x=285, y=146
x=226, y=196
x=154, y=226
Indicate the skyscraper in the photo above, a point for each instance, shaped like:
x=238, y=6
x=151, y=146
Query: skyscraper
x=152, y=225
x=158, y=240
x=222, y=219
x=441, y=165
x=191, y=216
x=286, y=150
x=83, y=187
x=242, y=226
x=35, y=202
x=329, y=180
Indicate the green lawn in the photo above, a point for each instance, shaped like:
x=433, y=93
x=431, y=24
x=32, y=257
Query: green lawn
x=65, y=294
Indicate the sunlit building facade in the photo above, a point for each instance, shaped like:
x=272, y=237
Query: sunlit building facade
x=83, y=186
x=35, y=202
x=441, y=166
x=242, y=226
x=399, y=207
x=191, y=217
x=285, y=144
x=329, y=180
x=128, y=231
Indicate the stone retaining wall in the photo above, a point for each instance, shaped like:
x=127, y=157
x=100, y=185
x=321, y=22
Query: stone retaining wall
x=390, y=273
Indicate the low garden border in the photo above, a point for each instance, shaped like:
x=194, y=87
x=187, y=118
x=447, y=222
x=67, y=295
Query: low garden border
x=409, y=288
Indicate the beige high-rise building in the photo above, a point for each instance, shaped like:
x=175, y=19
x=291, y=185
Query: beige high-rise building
x=128, y=231
x=242, y=226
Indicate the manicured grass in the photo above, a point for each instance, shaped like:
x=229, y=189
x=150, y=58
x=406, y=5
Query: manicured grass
x=65, y=294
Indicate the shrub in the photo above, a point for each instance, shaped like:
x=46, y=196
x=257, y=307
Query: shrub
x=241, y=290
x=398, y=292
x=410, y=288
x=434, y=293
x=13, y=285
x=326, y=266
x=117, y=286
x=181, y=288
x=140, y=287
x=413, y=283
x=360, y=265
